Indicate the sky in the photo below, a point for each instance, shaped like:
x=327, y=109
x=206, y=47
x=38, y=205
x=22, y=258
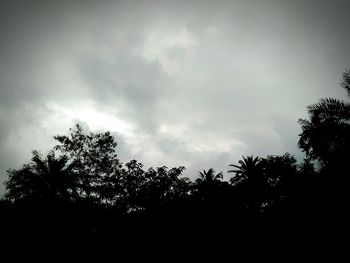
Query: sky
x=193, y=83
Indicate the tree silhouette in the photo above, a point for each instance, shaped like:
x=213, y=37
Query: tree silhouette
x=248, y=169
x=326, y=135
x=250, y=182
x=96, y=159
x=45, y=181
x=280, y=172
x=210, y=193
x=209, y=177
x=161, y=186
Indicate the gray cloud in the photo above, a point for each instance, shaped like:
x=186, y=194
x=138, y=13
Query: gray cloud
x=194, y=83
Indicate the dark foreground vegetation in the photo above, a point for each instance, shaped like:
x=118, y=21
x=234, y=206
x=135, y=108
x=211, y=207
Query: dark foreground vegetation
x=79, y=197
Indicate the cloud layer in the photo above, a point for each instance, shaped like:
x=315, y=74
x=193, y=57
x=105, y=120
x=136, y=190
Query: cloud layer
x=194, y=83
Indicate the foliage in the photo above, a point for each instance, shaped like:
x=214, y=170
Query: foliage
x=96, y=160
x=149, y=190
x=325, y=135
x=249, y=169
x=46, y=180
x=209, y=177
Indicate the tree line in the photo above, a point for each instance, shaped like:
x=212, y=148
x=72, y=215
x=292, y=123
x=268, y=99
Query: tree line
x=85, y=189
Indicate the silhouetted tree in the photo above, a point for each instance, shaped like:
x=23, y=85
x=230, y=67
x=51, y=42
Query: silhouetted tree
x=96, y=159
x=279, y=169
x=250, y=181
x=211, y=193
x=307, y=168
x=208, y=183
x=149, y=190
x=209, y=177
x=325, y=135
x=249, y=168
x=281, y=173
x=325, y=138
x=45, y=181
x=161, y=186
x=131, y=181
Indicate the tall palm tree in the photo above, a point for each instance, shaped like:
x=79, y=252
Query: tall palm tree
x=325, y=136
x=45, y=181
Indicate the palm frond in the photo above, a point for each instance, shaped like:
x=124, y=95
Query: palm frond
x=219, y=176
x=345, y=83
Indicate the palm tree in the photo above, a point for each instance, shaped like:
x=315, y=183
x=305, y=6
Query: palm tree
x=208, y=191
x=325, y=136
x=248, y=169
x=251, y=184
x=45, y=181
x=209, y=177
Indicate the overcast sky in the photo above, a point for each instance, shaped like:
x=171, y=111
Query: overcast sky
x=193, y=83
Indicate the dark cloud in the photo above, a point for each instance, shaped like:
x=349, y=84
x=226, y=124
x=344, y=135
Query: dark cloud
x=194, y=83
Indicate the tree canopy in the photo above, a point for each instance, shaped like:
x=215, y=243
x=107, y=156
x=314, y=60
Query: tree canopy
x=325, y=135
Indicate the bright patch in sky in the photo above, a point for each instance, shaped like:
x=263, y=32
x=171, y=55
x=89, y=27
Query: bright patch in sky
x=89, y=114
